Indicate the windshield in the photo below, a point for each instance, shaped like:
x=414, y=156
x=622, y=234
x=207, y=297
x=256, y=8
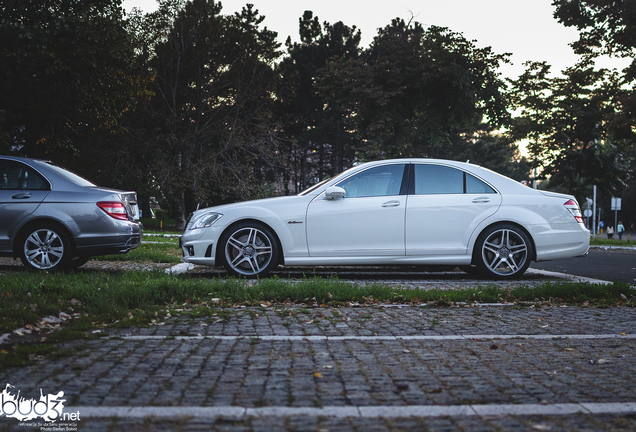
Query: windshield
x=81, y=181
x=314, y=187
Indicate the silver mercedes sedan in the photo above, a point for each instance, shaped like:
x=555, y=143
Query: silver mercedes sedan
x=54, y=219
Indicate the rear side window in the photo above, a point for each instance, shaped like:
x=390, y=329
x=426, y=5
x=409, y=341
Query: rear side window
x=71, y=176
x=437, y=179
x=18, y=176
x=476, y=186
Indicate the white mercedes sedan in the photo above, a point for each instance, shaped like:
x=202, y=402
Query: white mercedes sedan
x=393, y=212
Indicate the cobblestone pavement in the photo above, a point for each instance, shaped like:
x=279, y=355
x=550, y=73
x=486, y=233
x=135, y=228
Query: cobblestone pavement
x=351, y=369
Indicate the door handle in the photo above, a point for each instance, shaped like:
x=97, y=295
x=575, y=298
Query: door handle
x=21, y=196
x=391, y=204
x=481, y=200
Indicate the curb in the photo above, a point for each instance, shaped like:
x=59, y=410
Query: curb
x=571, y=277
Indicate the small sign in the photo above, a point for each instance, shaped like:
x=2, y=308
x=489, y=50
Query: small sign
x=616, y=203
x=587, y=213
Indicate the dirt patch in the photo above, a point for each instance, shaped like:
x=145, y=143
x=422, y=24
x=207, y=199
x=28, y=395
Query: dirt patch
x=96, y=264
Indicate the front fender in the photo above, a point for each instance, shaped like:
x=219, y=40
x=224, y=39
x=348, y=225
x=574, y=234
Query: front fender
x=287, y=221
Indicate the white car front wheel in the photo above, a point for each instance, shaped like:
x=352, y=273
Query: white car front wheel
x=250, y=249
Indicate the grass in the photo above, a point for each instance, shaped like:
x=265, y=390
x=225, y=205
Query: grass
x=157, y=224
x=138, y=298
x=25, y=297
x=165, y=252
x=613, y=242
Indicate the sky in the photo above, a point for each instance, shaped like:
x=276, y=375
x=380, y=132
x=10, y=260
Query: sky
x=524, y=28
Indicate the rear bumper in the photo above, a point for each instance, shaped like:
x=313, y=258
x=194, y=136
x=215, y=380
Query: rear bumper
x=110, y=244
x=562, y=241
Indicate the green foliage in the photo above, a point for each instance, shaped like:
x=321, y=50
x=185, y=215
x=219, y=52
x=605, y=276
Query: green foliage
x=414, y=90
x=194, y=107
x=209, y=127
x=318, y=144
x=67, y=69
x=599, y=241
x=574, y=127
x=605, y=26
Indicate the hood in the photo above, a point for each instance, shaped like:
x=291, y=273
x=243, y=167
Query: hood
x=222, y=207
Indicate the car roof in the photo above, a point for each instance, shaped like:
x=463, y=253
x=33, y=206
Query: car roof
x=500, y=182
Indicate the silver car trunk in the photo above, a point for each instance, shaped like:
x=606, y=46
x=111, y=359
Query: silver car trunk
x=129, y=200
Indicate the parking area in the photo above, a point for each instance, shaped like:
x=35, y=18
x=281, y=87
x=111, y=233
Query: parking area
x=358, y=368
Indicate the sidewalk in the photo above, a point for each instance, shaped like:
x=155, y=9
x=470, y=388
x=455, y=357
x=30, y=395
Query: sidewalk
x=351, y=369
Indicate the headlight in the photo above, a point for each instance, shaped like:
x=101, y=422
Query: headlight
x=204, y=220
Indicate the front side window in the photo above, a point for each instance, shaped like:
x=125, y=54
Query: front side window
x=16, y=175
x=373, y=182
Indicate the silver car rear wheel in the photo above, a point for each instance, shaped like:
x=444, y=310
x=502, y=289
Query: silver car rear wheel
x=45, y=248
x=505, y=251
x=250, y=250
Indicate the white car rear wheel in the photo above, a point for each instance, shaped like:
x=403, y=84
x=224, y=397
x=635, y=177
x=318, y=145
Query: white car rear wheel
x=503, y=252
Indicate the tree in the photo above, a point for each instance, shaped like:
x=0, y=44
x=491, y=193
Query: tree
x=414, y=90
x=607, y=27
x=67, y=69
x=317, y=141
x=209, y=127
x=571, y=125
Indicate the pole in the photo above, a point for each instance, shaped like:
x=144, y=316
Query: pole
x=615, y=220
x=594, y=219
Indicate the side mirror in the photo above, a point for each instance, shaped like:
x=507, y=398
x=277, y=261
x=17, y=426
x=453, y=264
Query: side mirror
x=334, y=192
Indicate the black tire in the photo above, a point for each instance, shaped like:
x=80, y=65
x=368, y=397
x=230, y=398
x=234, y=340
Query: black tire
x=249, y=249
x=471, y=270
x=45, y=247
x=503, y=251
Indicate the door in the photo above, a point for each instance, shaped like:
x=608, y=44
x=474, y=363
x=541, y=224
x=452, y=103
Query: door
x=22, y=190
x=445, y=205
x=368, y=221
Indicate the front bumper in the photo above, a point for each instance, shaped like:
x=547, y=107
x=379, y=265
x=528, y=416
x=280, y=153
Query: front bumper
x=199, y=246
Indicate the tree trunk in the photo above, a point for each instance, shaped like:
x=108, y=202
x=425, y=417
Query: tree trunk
x=179, y=212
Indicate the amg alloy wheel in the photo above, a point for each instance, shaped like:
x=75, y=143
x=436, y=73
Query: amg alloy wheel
x=250, y=250
x=503, y=251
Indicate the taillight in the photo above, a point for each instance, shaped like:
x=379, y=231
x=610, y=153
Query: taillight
x=573, y=207
x=114, y=209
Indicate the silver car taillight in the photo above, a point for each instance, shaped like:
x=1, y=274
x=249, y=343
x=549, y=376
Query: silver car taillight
x=114, y=209
x=573, y=207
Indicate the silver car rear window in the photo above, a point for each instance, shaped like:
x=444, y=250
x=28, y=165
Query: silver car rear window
x=81, y=181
